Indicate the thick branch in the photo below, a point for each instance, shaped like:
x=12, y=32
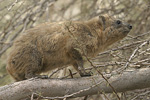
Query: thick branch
x=129, y=80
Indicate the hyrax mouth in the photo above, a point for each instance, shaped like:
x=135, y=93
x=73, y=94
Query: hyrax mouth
x=127, y=29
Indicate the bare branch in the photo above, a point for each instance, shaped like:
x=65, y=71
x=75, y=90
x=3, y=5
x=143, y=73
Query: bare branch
x=62, y=88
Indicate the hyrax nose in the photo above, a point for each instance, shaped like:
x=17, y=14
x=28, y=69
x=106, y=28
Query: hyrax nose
x=130, y=26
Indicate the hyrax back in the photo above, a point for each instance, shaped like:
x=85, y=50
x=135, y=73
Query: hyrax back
x=52, y=45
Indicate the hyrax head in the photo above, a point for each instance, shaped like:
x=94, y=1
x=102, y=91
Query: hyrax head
x=113, y=29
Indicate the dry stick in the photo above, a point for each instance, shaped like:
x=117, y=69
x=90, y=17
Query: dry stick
x=103, y=77
x=122, y=47
x=41, y=7
x=90, y=68
x=6, y=43
x=95, y=66
x=12, y=5
x=65, y=99
x=124, y=95
x=55, y=71
x=105, y=96
x=147, y=92
x=141, y=61
x=133, y=54
x=142, y=52
x=70, y=73
x=143, y=34
x=32, y=96
x=85, y=98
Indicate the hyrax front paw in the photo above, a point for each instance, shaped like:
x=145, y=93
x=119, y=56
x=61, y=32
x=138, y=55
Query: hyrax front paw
x=86, y=74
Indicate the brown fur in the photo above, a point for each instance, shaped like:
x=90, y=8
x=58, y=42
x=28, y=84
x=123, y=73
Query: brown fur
x=52, y=45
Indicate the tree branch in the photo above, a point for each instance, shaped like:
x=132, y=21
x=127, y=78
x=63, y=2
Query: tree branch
x=61, y=88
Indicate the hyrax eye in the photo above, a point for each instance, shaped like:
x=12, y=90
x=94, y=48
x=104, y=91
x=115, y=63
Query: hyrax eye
x=118, y=22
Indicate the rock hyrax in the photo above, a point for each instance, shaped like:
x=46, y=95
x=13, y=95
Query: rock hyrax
x=54, y=45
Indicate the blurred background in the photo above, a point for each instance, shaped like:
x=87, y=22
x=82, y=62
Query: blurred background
x=133, y=52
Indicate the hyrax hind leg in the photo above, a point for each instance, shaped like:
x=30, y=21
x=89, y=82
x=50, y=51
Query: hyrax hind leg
x=34, y=65
x=78, y=63
x=31, y=72
x=30, y=62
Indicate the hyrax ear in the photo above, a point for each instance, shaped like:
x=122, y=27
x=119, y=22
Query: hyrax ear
x=102, y=21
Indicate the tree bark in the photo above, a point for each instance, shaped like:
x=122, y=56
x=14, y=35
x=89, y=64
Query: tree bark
x=76, y=87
